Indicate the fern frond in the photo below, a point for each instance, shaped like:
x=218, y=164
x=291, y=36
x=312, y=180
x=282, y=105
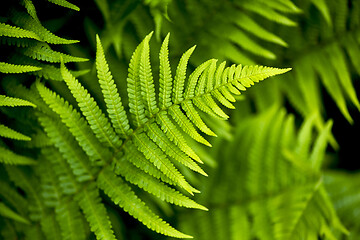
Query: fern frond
x=5, y=211
x=30, y=8
x=331, y=84
x=268, y=13
x=320, y=145
x=13, y=31
x=30, y=186
x=65, y=3
x=18, y=42
x=10, y=133
x=175, y=136
x=134, y=156
x=337, y=58
x=51, y=191
x=159, y=137
x=95, y=212
x=196, y=119
x=76, y=124
x=94, y=116
x=144, y=146
x=13, y=197
x=29, y=23
x=283, y=6
x=51, y=72
x=135, y=176
x=342, y=188
x=112, y=98
x=43, y=52
x=181, y=119
x=9, y=157
x=71, y=225
x=156, y=156
x=14, y=102
x=13, y=68
x=301, y=205
x=50, y=227
x=278, y=200
x=62, y=170
x=239, y=37
x=122, y=195
x=68, y=147
x=323, y=8
x=248, y=24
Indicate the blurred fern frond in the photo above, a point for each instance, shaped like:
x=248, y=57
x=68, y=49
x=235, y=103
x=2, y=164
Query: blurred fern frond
x=343, y=190
x=324, y=54
x=23, y=29
x=272, y=189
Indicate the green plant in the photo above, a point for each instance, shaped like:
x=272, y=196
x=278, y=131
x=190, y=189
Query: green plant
x=275, y=179
x=82, y=150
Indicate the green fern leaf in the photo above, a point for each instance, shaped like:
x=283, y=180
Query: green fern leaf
x=337, y=58
x=29, y=23
x=122, y=195
x=342, y=188
x=146, y=80
x=318, y=152
x=186, y=125
x=5, y=211
x=51, y=72
x=135, y=176
x=181, y=76
x=76, y=124
x=278, y=200
x=62, y=170
x=95, y=213
x=193, y=79
x=247, y=23
x=175, y=136
x=196, y=119
x=165, y=75
x=12, y=102
x=323, y=8
x=30, y=186
x=30, y=8
x=13, y=31
x=12, y=196
x=10, y=133
x=68, y=147
x=50, y=227
x=268, y=13
x=134, y=156
x=12, y=68
x=65, y=3
x=137, y=108
x=94, y=116
x=68, y=217
x=51, y=191
x=328, y=76
x=112, y=99
x=159, y=137
x=43, y=52
x=9, y=157
x=155, y=155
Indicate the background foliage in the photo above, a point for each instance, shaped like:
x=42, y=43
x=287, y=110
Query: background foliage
x=283, y=167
